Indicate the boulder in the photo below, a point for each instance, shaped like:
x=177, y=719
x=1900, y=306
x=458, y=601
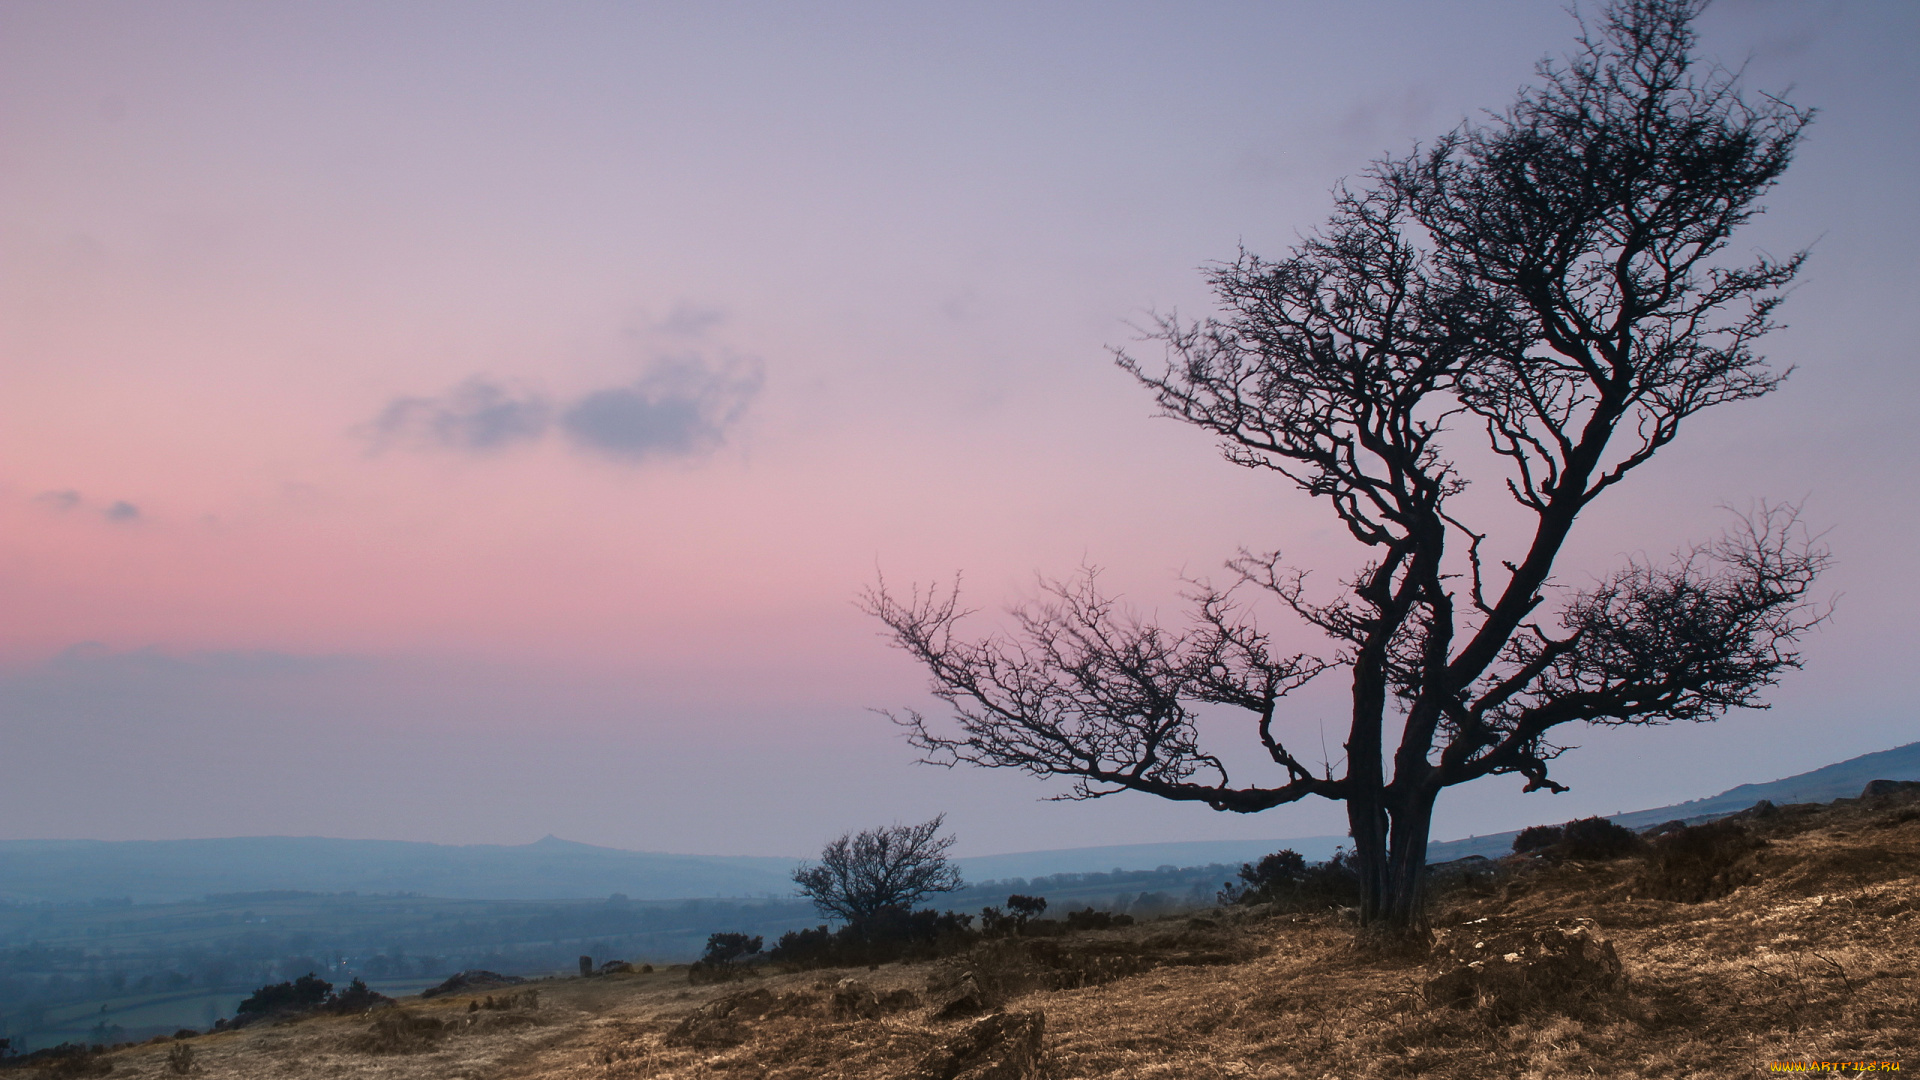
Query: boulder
x=1506, y=972
x=961, y=997
x=853, y=1000
x=1004, y=1046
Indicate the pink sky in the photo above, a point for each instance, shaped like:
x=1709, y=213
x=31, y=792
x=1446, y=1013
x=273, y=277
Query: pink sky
x=767, y=300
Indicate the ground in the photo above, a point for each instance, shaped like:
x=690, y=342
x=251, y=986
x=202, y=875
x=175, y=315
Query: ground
x=1814, y=955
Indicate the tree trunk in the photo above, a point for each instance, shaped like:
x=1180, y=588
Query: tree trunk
x=1390, y=856
x=1367, y=824
x=1406, y=908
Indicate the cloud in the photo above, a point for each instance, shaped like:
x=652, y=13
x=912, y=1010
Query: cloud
x=680, y=408
x=689, y=320
x=67, y=500
x=477, y=416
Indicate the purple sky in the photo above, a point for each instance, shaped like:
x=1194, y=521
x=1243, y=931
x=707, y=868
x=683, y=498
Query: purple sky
x=464, y=423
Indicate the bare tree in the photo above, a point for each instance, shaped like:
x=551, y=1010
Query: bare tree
x=864, y=874
x=1552, y=279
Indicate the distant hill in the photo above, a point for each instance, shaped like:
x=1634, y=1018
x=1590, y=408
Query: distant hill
x=1090, y=860
x=159, y=871
x=1841, y=780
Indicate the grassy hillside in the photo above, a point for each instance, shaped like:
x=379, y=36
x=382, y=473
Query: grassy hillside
x=1807, y=951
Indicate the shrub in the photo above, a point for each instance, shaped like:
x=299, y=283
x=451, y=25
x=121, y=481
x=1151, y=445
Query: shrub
x=304, y=994
x=1590, y=839
x=717, y=963
x=888, y=936
x=357, y=998
x=1596, y=839
x=1695, y=863
x=1090, y=918
x=1284, y=878
x=1536, y=838
x=725, y=948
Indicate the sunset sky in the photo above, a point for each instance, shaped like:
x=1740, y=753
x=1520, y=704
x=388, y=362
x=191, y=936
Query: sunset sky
x=471, y=422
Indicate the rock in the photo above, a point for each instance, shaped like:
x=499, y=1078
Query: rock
x=963, y=998
x=720, y=1023
x=900, y=1000
x=1507, y=972
x=853, y=1000
x=1004, y=1046
x=616, y=967
x=1889, y=787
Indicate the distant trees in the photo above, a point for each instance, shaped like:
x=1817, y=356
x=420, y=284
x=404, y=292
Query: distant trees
x=1554, y=283
x=307, y=992
x=1285, y=878
x=865, y=874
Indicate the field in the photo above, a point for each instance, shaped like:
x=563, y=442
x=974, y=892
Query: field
x=109, y=971
x=1812, y=954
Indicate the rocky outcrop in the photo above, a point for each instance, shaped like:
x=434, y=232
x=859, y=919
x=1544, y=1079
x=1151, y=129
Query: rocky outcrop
x=1004, y=1046
x=1507, y=972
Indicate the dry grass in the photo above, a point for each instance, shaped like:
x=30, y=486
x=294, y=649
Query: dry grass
x=1815, y=956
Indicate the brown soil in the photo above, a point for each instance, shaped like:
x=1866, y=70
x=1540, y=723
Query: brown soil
x=1815, y=956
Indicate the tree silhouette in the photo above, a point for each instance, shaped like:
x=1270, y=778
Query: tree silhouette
x=1552, y=280
x=875, y=871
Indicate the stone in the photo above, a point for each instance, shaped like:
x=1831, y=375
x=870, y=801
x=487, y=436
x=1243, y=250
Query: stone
x=853, y=1000
x=1506, y=972
x=1004, y=1046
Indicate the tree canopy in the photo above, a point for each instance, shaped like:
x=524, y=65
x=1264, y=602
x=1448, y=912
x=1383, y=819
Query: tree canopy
x=1555, y=281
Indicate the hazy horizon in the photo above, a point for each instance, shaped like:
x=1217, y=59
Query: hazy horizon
x=468, y=425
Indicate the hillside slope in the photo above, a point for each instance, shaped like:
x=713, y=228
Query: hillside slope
x=1811, y=954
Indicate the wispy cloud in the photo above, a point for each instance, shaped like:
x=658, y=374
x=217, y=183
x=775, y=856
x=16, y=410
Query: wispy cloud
x=679, y=409
x=67, y=500
x=477, y=416
x=682, y=407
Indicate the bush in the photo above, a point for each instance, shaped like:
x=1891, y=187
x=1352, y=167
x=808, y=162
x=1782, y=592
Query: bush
x=304, y=994
x=717, y=963
x=357, y=998
x=1284, y=878
x=889, y=936
x=1590, y=839
x=1536, y=838
x=1092, y=919
x=1696, y=863
x=727, y=947
x=1596, y=839
x=1021, y=910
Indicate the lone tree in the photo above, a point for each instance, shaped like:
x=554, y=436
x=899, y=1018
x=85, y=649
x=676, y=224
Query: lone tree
x=876, y=871
x=1555, y=280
